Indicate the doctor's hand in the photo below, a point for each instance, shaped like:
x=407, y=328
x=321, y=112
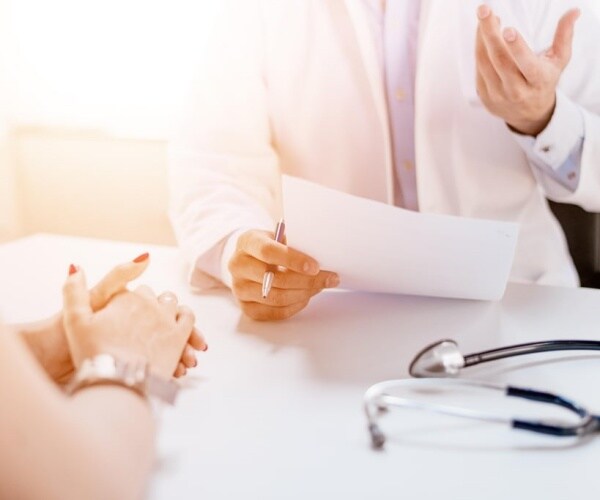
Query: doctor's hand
x=513, y=82
x=292, y=288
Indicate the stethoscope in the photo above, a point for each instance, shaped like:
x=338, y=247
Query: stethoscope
x=443, y=360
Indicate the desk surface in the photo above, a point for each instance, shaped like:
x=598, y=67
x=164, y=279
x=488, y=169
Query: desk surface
x=274, y=411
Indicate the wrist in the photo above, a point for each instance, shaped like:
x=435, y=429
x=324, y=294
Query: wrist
x=535, y=126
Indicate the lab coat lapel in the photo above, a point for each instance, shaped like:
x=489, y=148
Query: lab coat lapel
x=368, y=53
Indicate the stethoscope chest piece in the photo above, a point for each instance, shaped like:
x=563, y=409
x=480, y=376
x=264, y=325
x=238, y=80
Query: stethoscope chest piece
x=442, y=359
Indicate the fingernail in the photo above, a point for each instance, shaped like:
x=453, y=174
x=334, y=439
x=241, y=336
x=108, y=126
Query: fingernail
x=510, y=35
x=483, y=11
x=195, y=363
x=333, y=281
x=310, y=268
x=205, y=348
x=72, y=269
x=141, y=258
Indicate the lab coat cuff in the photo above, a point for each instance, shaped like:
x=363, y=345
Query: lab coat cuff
x=228, y=251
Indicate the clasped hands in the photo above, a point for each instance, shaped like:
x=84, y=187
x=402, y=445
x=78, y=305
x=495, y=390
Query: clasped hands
x=111, y=319
x=513, y=82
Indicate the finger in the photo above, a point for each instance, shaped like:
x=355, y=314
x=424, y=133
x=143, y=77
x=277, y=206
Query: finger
x=180, y=371
x=197, y=341
x=261, y=312
x=498, y=53
x=116, y=281
x=76, y=297
x=525, y=59
x=146, y=292
x=482, y=90
x=251, y=269
x=264, y=248
x=563, y=38
x=249, y=291
x=185, y=320
x=485, y=70
x=188, y=358
x=169, y=302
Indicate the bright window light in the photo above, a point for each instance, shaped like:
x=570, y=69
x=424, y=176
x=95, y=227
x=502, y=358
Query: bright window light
x=119, y=66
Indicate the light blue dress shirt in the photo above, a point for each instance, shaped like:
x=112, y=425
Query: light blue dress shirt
x=556, y=152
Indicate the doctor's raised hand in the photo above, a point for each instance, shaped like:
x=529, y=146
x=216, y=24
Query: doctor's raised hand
x=296, y=281
x=515, y=83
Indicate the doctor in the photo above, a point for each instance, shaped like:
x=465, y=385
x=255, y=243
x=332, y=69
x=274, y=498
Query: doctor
x=435, y=105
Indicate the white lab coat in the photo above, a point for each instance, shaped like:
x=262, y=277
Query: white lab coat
x=295, y=86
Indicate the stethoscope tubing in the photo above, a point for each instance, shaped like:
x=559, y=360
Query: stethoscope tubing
x=377, y=400
x=530, y=348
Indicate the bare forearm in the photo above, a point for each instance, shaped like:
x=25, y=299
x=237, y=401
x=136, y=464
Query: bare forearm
x=46, y=341
x=121, y=432
x=96, y=444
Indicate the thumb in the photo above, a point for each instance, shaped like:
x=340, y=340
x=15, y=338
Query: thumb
x=76, y=298
x=563, y=38
x=116, y=281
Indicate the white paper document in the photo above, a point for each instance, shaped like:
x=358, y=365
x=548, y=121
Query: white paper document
x=376, y=247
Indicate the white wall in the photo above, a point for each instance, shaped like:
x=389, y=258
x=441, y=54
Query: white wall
x=93, y=185
x=10, y=226
x=9, y=215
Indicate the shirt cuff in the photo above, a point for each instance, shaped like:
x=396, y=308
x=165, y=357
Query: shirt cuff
x=556, y=142
x=555, y=151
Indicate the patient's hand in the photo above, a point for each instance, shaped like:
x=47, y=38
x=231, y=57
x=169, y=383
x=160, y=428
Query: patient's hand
x=293, y=287
x=133, y=325
x=47, y=340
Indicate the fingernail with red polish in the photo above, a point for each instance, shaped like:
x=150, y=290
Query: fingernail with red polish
x=72, y=269
x=141, y=258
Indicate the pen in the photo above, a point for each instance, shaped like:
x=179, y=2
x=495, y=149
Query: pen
x=268, y=277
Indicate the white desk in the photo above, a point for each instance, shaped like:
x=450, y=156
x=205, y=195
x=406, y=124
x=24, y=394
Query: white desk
x=274, y=410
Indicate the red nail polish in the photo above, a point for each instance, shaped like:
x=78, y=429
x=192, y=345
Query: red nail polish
x=141, y=258
x=72, y=269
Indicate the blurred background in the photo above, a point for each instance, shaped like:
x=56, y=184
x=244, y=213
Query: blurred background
x=89, y=95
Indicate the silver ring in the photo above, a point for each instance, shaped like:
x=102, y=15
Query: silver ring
x=168, y=298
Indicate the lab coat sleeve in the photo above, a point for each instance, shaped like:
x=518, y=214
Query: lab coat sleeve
x=557, y=151
x=223, y=170
x=579, y=87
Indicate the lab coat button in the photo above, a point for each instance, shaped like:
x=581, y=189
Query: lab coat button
x=400, y=95
x=546, y=149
